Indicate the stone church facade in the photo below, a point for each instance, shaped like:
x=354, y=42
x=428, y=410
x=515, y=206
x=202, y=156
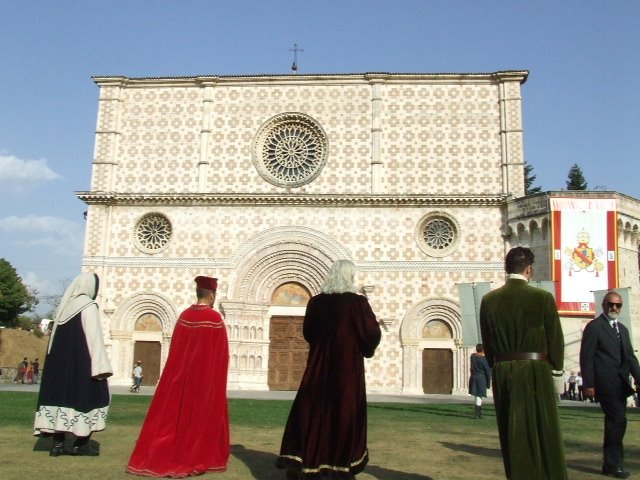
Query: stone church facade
x=264, y=181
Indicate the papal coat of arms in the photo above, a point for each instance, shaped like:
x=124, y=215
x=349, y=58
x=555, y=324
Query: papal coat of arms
x=583, y=257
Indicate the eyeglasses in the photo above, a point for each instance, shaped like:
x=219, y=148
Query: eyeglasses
x=614, y=305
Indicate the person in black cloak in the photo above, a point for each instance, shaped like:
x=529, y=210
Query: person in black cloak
x=74, y=394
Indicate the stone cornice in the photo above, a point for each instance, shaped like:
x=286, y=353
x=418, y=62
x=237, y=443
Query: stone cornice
x=231, y=262
x=310, y=200
x=340, y=78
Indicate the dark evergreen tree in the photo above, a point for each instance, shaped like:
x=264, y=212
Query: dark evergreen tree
x=529, y=178
x=576, y=180
x=15, y=297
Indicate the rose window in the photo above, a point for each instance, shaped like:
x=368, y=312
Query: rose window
x=290, y=150
x=437, y=234
x=153, y=233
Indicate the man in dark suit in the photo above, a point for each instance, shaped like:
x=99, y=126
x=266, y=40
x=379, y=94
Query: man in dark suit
x=606, y=361
x=523, y=340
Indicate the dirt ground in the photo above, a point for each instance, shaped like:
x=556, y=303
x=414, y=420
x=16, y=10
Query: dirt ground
x=17, y=344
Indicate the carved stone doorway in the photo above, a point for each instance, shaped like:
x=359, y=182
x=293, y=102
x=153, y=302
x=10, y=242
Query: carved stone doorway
x=288, y=353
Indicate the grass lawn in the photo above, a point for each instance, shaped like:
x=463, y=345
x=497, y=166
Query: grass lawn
x=406, y=441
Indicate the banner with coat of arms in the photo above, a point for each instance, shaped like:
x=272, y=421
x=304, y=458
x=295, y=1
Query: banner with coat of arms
x=584, y=251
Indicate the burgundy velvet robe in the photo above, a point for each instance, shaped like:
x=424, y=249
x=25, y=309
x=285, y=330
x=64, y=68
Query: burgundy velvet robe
x=327, y=427
x=186, y=431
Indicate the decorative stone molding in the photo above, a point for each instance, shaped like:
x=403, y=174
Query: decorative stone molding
x=381, y=266
x=144, y=303
x=314, y=200
x=431, y=309
x=279, y=255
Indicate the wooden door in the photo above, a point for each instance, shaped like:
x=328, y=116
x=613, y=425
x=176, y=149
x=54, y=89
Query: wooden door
x=437, y=370
x=288, y=353
x=149, y=354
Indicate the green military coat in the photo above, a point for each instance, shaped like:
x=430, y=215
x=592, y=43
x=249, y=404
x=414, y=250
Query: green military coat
x=520, y=318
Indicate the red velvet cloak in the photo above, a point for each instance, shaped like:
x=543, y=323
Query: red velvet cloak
x=186, y=431
x=327, y=426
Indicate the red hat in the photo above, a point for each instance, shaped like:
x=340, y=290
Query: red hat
x=208, y=283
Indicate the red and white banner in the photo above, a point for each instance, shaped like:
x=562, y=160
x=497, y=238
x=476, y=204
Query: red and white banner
x=585, y=256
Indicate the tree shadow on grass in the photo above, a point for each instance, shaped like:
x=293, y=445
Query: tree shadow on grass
x=263, y=466
x=591, y=462
x=43, y=444
x=473, y=449
x=387, y=474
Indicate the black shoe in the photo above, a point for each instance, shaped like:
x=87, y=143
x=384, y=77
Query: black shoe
x=59, y=449
x=615, y=472
x=84, y=451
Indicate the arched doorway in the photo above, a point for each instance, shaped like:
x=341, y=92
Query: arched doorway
x=432, y=326
x=288, y=349
x=437, y=363
x=145, y=349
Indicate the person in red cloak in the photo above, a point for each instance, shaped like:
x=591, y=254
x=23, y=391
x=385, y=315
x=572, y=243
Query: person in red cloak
x=186, y=431
x=326, y=433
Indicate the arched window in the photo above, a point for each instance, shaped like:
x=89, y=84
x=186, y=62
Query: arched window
x=148, y=323
x=437, y=329
x=291, y=294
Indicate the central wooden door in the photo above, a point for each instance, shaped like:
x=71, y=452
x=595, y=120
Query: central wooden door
x=437, y=370
x=149, y=354
x=288, y=353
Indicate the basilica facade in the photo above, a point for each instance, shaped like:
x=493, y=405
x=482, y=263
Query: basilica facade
x=264, y=181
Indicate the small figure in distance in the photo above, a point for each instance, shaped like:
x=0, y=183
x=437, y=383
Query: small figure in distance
x=137, y=377
x=479, y=378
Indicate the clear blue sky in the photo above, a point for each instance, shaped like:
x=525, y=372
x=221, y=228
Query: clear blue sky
x=581, y=102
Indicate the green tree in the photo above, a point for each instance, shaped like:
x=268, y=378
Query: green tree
x=575, y=179
x=15, y=297
x=529, y=178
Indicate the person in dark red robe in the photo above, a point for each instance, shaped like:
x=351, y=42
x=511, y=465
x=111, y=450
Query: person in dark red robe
x=326, y=433
x=186, y=431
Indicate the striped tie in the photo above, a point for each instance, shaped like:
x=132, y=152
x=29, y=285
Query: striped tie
x=614, y=324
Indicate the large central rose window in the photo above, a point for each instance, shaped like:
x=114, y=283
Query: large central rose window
x=290, y=150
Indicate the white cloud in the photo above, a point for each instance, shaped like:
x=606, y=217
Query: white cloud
x=49, y=292
x=44, y=287
x=56, y=234
x=34, y=222
x=18, y=174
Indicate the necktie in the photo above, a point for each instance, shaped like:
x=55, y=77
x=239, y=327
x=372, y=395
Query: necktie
x=614, y=324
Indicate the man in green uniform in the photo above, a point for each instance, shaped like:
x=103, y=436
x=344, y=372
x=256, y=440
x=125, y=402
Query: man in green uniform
x=523, y=341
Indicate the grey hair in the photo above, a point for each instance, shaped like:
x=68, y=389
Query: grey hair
x=340, y=278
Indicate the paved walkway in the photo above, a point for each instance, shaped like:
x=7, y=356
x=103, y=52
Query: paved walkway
x=269, y=395
x=287, y=395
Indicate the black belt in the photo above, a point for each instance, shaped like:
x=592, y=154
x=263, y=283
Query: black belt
x=521, y=356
